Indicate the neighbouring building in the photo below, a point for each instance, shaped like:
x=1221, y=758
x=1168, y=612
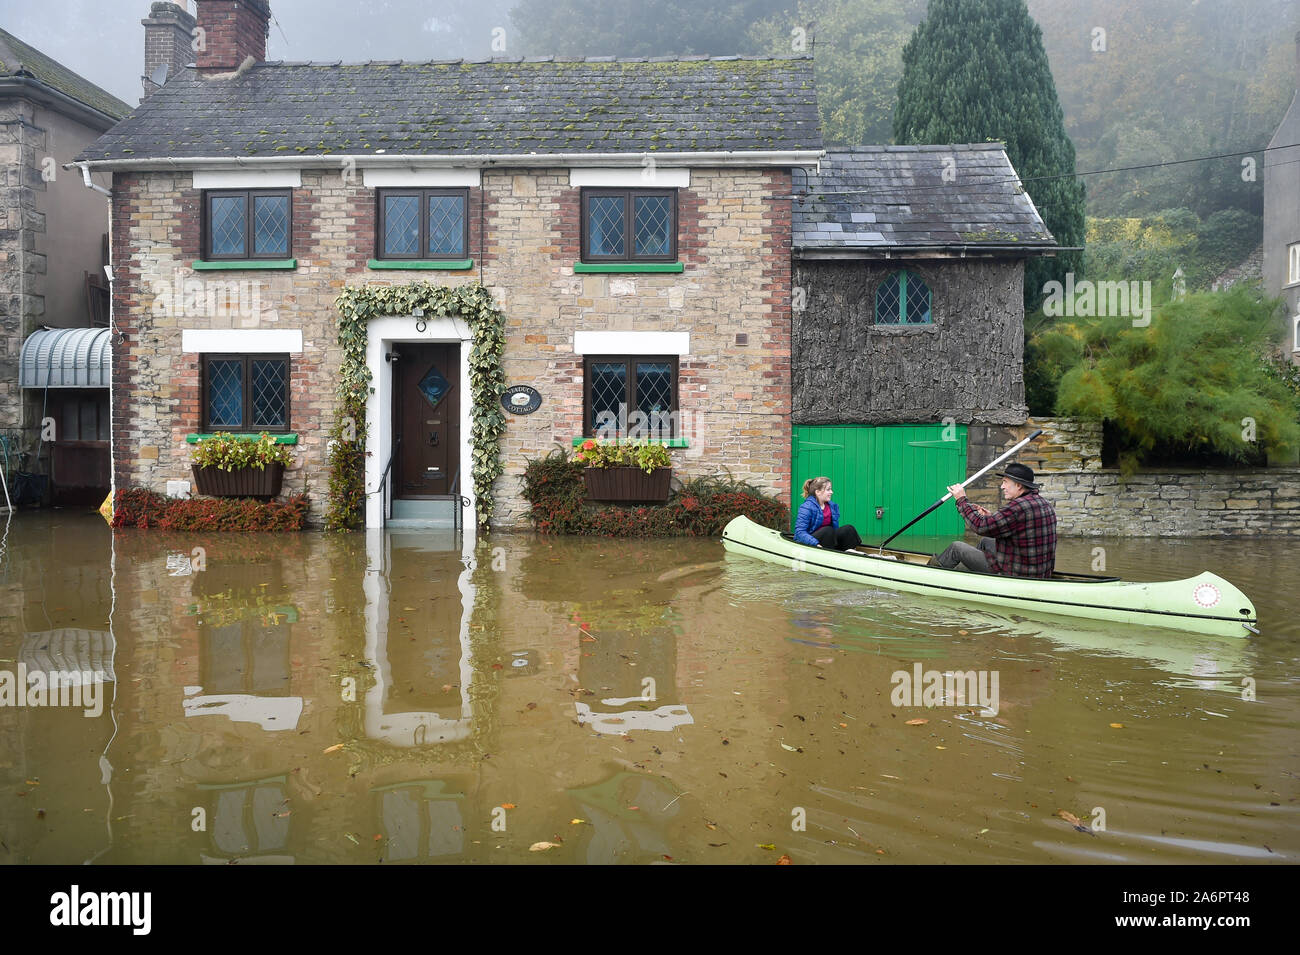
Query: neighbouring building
x=54, y=293
x=631, y=217
x=908, y=338
x=1282, y=216
x=53, y=302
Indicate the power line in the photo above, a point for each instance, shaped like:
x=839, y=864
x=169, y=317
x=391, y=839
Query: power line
x=1070, y=175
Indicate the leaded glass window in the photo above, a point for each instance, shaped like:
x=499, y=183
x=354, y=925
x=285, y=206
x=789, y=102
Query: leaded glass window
x=627, y=393
x=903, y=298
x=629, y=225
x=245, y=393
x=247, y=224
x=422, y=224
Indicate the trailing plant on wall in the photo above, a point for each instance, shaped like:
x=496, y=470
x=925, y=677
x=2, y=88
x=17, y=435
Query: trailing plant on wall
x=357, y=306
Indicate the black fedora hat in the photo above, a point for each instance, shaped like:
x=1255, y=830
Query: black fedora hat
x=1021, y=474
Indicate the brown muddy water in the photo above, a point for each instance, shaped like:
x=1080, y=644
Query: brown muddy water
x=384, y=698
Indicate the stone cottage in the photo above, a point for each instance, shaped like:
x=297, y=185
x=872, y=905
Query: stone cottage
x=631, y=218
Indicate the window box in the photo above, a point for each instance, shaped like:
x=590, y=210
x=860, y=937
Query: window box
x=247, y=225
x=628, y=484
x=430, y=226
x=629, y=226
x=241, y=482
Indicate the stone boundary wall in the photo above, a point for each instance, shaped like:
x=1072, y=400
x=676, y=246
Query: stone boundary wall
x=1245, y=503
x=1092, y=501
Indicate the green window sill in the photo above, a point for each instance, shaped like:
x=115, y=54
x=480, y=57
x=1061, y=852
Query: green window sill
x=202, y=265
x=289, y=438
x=448, y=265
x=581, y=267
x=666, y=442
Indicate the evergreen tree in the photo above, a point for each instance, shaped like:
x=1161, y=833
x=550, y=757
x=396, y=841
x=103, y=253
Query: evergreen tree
x=975, y=71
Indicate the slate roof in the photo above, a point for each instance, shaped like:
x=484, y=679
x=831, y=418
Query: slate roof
x=876, y=199
x=16, y=56
x=544, y=105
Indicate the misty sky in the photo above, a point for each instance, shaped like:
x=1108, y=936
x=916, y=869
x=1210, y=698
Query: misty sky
x=103, y=40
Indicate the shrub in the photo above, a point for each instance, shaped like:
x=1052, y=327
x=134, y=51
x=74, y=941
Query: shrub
x=554, y=489
x=141, y=507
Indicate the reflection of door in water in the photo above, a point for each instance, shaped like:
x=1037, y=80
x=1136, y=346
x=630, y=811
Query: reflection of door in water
x=426, y=419
x=423, y=649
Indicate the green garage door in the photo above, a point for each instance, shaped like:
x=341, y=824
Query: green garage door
x=894, y=471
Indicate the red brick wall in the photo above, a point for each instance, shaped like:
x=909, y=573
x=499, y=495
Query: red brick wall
x=232, y=31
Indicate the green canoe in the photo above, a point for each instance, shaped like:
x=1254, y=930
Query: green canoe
x=1202, y=604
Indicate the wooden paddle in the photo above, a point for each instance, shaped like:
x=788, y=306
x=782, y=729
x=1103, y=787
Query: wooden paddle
x=978, y=474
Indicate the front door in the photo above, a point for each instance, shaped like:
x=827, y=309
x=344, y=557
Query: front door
x=426, y=419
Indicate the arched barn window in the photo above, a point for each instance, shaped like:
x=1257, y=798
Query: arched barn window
x=903, y=299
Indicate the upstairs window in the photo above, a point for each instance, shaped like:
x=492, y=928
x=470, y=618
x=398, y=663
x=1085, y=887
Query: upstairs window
x=418, y=224
x=1293, y=264
x=903, y=299
x=629, y=225
x=247, y=223
x=246, y=393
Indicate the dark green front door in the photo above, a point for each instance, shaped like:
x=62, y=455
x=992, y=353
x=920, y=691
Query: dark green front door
x=884, y=475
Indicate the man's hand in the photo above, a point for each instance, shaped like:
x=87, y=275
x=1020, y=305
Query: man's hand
x=957, y=491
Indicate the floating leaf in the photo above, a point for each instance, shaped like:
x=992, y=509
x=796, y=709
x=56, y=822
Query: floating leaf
x=770, y=847
x=1117, y=726
x=785, y=860
x=1072, y=819
x=334, y=749
x=353, y=839
x=576, y=822
x=543, y=846
x=507, y=805
x=917, y=722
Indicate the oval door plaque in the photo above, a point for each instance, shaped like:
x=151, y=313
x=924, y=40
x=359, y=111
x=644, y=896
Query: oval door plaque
x=521, y=399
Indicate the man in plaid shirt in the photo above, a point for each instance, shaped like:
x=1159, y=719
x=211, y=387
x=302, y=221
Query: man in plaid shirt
x=1020, y=539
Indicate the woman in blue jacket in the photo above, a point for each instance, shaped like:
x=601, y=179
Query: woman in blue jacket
x=818, y=521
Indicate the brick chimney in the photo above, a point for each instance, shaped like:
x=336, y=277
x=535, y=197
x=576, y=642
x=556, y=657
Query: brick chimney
x=168, y=39
x=232, y=31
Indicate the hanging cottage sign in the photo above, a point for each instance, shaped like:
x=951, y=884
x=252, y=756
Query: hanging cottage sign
x=521, y=399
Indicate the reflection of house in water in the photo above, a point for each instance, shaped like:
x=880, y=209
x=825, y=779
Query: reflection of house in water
x=622, y=834
x=249, y=821
x=422, y=819
x=417, y=640
x=640, y=697
x=245, y=628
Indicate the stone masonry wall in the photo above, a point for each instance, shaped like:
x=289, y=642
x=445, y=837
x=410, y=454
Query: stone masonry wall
x=733, y=240
x=1093, y=501
x=1248, y=503
x=22, y=268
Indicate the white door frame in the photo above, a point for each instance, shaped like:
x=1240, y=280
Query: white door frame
x=382, y=334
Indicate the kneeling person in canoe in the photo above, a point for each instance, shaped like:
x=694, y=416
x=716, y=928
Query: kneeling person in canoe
x=818, y=521
x=1019, y=540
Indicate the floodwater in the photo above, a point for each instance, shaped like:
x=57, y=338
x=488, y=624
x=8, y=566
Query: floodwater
x=388, y=698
